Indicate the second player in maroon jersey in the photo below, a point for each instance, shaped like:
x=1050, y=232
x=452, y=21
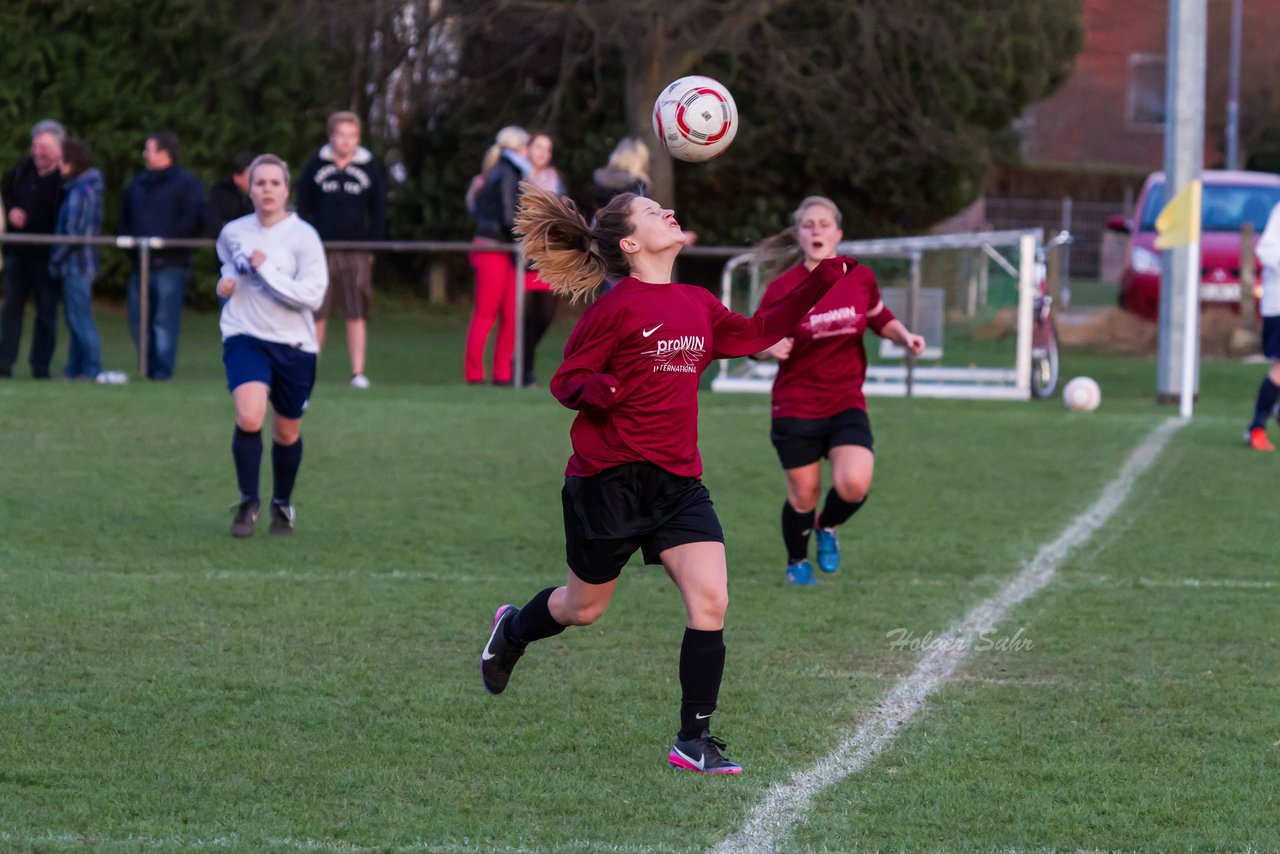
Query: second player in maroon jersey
x=818, y=407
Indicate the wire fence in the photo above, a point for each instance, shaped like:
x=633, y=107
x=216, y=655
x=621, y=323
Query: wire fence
x=1087, y=222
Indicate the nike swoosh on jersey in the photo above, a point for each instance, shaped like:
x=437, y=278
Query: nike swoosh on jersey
x=647, y=332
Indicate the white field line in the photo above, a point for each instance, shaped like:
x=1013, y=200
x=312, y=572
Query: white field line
x=787, y=802
x=1229, y=583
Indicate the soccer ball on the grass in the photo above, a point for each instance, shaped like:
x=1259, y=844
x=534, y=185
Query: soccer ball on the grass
x=1082, y=395
x=695, y=118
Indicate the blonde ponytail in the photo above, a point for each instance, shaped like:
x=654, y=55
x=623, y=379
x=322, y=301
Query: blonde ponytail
x=571, y=256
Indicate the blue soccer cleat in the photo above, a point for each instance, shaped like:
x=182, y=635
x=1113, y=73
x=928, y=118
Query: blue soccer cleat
x=828, y=550
x=801, y=572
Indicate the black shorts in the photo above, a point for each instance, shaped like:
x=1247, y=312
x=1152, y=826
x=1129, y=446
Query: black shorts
x=1271, y=338
x=632, y=506
x=803, y=441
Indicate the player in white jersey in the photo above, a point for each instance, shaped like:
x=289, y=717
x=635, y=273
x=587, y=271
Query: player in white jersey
x=1268, y=252
x=274, y=276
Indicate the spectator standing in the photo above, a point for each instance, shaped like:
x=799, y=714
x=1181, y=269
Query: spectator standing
x=342, y=194
x=165, y=200
x=75, y=266
x=32, y=193
x=539, y=302
x=626, y=172
x=495, y=212
x=229, y=198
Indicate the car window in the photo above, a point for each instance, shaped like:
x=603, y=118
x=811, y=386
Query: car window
x=1226, y=207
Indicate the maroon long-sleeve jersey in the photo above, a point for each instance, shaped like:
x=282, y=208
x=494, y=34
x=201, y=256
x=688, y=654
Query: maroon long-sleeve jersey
x=632, y=364
x=828, y=363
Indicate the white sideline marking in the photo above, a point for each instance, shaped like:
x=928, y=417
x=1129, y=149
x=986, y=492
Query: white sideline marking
x=1232, y=583
x=787, y=802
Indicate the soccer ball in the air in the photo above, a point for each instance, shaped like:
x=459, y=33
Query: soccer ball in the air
x=695, y=118
x=1082, y=395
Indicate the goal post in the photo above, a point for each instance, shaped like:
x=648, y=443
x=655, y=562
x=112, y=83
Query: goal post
x=970, y=295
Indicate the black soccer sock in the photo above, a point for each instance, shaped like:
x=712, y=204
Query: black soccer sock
x=837, y=511
x=246, y=451
x=285, y=460
x=1268, y=394
x=701, y=667
x=534, y=622
x=796, y=528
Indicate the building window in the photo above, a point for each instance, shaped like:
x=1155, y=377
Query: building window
x=1146, y=91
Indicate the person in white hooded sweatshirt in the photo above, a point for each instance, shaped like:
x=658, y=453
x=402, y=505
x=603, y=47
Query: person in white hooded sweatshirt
x=274, y=276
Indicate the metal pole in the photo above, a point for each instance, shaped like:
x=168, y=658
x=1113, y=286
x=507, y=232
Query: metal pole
x=144, y=303
x=913, y=301
x=1064, y=266
x=517, y=360
x=1184, y=162
x=1233, y=87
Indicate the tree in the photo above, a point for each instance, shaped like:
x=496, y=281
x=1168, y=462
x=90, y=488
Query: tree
x=894, y=105
x=224, y=75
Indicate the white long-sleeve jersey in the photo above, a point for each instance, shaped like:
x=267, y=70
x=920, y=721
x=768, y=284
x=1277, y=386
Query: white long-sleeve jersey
x=273, y=302
x=1268, y=251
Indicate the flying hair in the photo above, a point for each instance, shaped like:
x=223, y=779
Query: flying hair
x=570, y=255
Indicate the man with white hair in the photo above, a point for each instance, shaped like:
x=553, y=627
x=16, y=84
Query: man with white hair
x=32, y=193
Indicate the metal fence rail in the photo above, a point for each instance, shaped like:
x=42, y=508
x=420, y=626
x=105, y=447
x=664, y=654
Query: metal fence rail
x=144, y=246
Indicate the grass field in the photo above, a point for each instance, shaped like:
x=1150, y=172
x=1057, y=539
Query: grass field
x=169, y=689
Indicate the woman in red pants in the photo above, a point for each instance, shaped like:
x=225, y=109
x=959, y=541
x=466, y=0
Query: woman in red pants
x=495, y=211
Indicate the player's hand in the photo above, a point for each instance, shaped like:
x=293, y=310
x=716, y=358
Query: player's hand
x=257, y=259
x=227, y=286
x=782, y=350
x=914, y=343
x=17, y=217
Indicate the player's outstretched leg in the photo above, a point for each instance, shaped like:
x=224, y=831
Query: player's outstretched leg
x=500, y=655
x=513, y=630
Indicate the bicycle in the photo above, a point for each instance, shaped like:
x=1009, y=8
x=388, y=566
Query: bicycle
x=1045, y=363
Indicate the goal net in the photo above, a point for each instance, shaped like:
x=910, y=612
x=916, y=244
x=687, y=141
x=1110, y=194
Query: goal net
x=969, y=295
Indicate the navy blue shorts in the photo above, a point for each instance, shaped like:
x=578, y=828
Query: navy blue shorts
x=610, y=515
x=1271, y=338
x=804, y=441
x=289, y=371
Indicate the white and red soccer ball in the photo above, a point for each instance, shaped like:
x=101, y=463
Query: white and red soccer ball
x=695, y=118
x=1082, y=395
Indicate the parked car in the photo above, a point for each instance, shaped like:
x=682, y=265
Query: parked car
x=1230, y=200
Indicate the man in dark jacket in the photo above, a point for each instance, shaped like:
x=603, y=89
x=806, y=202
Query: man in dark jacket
x=32, y=194
x=341, y=192
x=164, y=201
x=229, y=198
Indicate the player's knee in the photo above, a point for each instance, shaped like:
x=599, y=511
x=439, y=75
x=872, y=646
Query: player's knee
x=585, y=613
x=710, y=609
x=249, y=422
x=853, y=489
x=803, y=499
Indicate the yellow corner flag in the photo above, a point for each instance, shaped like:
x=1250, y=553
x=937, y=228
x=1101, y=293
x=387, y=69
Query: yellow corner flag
x=1179, y=221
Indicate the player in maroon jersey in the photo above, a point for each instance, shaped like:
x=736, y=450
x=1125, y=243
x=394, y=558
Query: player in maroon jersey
x=631, y=369
x=818, y=406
